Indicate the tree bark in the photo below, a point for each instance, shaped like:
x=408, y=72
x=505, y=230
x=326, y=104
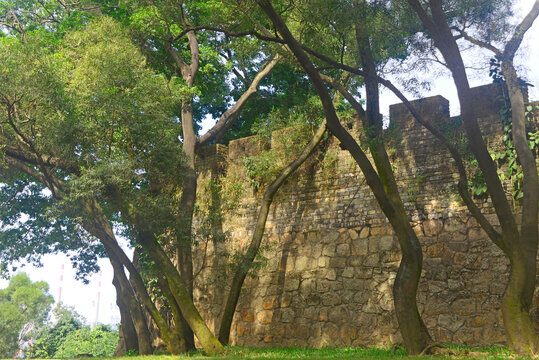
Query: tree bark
x=184, y=255
x=178, y=326
x=249, y=256
x=130, y=303
x=128, y=335
x=209, y=343
x=413, y=330
x=518, y=297
x=96, y=223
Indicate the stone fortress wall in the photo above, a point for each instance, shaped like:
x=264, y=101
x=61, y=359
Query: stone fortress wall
x=332, y=255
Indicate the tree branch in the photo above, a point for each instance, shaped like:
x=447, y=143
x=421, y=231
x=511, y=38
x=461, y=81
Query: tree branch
x=479, y=43
x=229, y=116
x=514, y=43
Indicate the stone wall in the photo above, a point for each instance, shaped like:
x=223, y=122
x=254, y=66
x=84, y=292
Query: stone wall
x=331, y=256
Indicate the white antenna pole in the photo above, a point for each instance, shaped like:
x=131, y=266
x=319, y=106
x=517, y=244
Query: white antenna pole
x=98, y=298
x=61, y=283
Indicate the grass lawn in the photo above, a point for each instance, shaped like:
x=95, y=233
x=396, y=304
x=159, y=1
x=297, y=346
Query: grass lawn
x=236, y=353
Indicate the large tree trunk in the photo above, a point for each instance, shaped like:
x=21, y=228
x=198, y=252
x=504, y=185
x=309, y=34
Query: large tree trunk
x=408, y=272
x=129, y=301
x=518, y=297
x=184, y=257
x=249, y=256
x=412, y=328
x=96, y=223
x=517, y=303
x=208, y=341
x=128, y=335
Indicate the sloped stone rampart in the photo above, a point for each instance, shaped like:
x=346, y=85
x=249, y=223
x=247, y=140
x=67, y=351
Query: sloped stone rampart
x=331, y=256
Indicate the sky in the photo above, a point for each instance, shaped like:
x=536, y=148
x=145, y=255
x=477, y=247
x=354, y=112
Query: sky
x=59, y=274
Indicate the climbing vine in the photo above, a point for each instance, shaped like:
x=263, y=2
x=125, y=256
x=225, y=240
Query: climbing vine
x=506, y=159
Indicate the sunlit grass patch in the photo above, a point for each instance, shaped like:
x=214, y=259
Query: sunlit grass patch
x=284, y=353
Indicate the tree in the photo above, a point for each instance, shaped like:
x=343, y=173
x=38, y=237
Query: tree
x=99, y=342
x=24, y=307
x=59, y=117
x=518, y=243
x=49, y=339
x=381, y=181
x=90, y=156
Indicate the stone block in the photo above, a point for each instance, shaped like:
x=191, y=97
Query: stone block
x=360, y=247
x=459, y=258
x=475, y=234
x=331, y=274
x=323, y=315
x=308, y=286
x=331, y=333
x=372, y=260
x=287, y=315
x=291, y=284
x=387, y=243
x=348, y=332
x=329, y=299
x=365, y=232
x=337, y=262
x=378, y=231
x=361, y=297
x=450, y=322
x=265, y=317
x=364, y=273
x=270, y=303
x=432, y=227
x=463, y=307
x=242, y=329
x=323, y=261
x=247, y=315
x=348, y=272
x=302, y=263
x=329, y=250
x=343, y=250
x=454, y=225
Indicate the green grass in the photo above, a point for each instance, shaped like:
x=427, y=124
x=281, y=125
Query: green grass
x=236, y=353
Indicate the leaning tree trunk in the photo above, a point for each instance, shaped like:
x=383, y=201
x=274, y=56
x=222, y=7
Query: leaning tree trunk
x=128, y=335
x=411, y=254
x=413, y=330
x=208, y=341
x=129, y=301
x=252, y=251
x=184, y=257
x=96, y=223
x=518, y=297
x=177, y=317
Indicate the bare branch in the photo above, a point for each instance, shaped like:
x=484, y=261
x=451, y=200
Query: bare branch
x=479, y=43
x=514, y=43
